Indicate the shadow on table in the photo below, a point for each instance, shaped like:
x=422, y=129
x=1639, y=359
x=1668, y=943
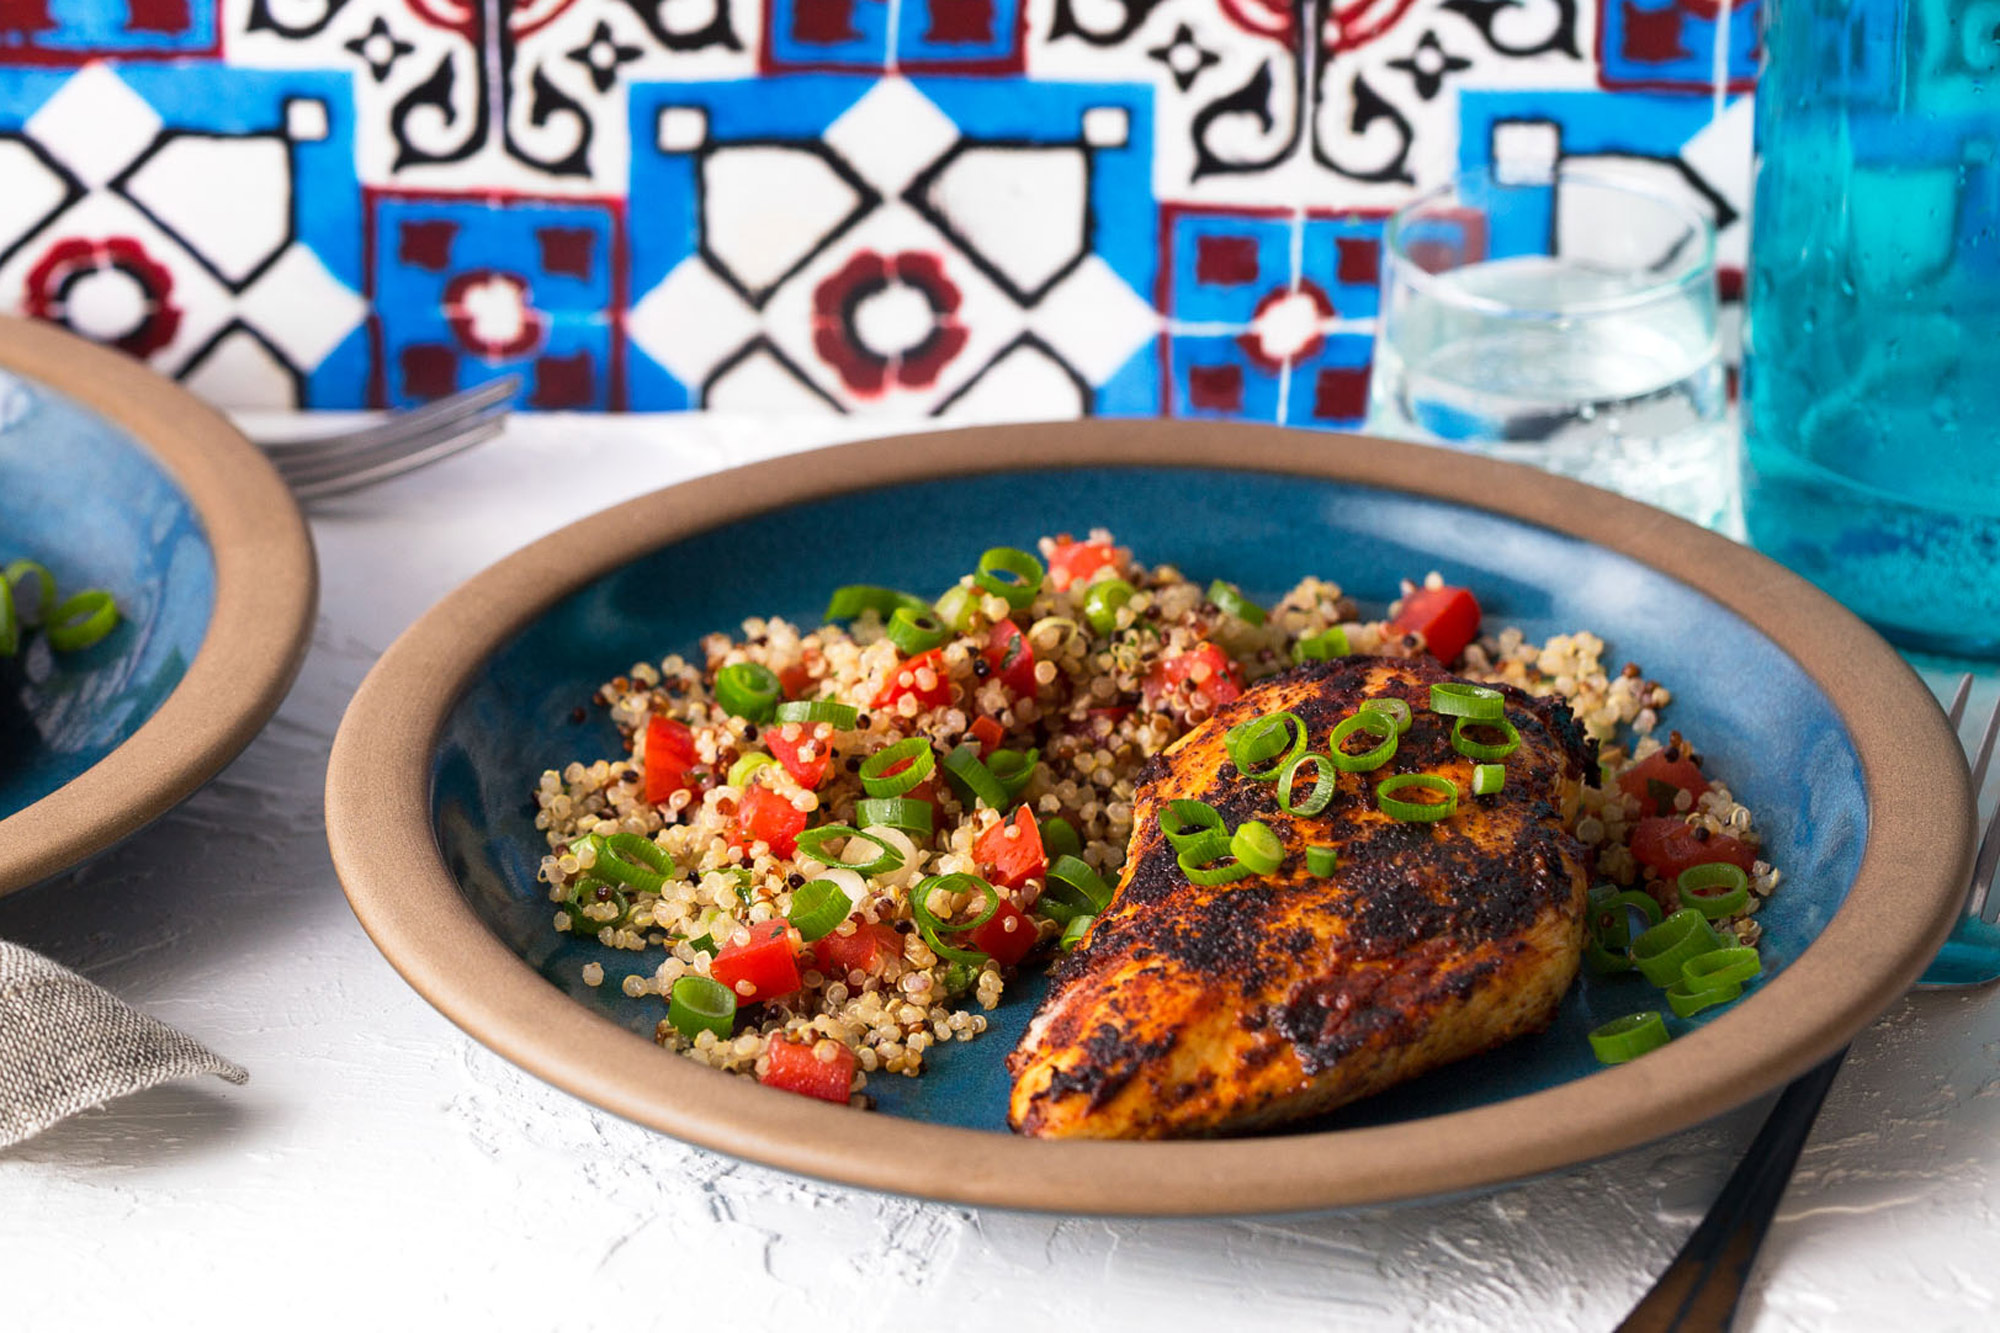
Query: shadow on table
x=175, y=1122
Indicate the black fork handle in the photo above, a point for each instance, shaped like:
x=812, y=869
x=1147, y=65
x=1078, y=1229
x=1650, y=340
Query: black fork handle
x=1700, y=1290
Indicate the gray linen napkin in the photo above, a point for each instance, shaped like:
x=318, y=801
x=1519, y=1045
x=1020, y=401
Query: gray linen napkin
x=67, y=1044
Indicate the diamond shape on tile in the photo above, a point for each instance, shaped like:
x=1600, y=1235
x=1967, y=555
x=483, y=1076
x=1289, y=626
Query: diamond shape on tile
x=36, y=191
x=227, y=198
x=761, y=381
x=239, y=368
x=95, y=124
x=691, y=321
x=301, y=308
x=891, y=134
x=767, y=209
x=1095, y=321
x=1018, y=212
x=1026, y=382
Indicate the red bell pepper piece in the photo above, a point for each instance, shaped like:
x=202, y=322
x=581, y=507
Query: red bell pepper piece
x=1012, y=851
x=808, y=773
x=795, y=1066
x=765, y=961
x=1666, y=846
x=1007, y=935
x=1007, y=651
x=670, y=753
x=907, y=679
x=1078, y=562
x=762, y=815
x=871, y=945
x=1680, y=773
x=1448, y=618
x=1217, y=680
x=988, y=733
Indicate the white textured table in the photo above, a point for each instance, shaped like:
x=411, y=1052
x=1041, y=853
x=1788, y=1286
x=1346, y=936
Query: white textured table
x=381, y=1167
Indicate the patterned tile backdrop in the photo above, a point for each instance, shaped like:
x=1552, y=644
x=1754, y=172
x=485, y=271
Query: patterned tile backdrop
x=937, y=207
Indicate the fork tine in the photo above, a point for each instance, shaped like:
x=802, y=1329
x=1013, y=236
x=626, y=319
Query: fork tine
x=1956, y=713
x=1983, y=867
x=396, y=465
x=399, y=426
x=1985, y=756
x=325, y=464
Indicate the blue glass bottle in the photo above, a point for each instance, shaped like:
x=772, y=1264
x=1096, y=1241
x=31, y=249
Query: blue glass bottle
x=1872, y=352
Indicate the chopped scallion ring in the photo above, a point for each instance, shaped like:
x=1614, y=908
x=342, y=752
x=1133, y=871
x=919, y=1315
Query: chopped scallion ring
x=631, y=859
x=1716, y=889
x=1373, y=722
x=1483, y=751
x=1629, y=1037
x=10, y=622
x=1738, y=963
x=1073, y=933
x=1488, y=779
x=894, y=812
x=1688, y=1000
x=1256, y=846
x=590, y=891
x=744, y=768
x=701, y=1004
x=1072, y=889
x=899, y=768
x=1423, y=812
x=916, y=629
x=1059, y=837
x=748, y=690
x=1209, y=864
x=813, y=843
x=1012, y=575
x=80, y=620
x=1230, y=599
x=1456, y=698
x=817, y=907
x=1660, y=952
x=855, y=598
x=1602, y=961
x=1101, y=603
x=1321, y=794
x=841, y=716
x=957, y=607
x=22, y=571
x=1610, y=916
x=1324, y=646
x=1321, y=861
x=1185, y=821
x=1273, y=740
x=974, y=781
x=1397, y=711
x=1013, y=770
x=934, y=930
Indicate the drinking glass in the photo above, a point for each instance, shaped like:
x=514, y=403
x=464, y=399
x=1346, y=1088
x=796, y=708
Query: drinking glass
x=1565, y=318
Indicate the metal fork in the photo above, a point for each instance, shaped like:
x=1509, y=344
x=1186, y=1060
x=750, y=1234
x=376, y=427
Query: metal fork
x=1701, y=1288
x=329, y=465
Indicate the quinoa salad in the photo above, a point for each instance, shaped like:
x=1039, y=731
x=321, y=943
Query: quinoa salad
x=826, y=851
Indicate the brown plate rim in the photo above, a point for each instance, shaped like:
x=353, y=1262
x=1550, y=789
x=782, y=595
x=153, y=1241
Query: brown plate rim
x=266, y=591
x=1903, y=902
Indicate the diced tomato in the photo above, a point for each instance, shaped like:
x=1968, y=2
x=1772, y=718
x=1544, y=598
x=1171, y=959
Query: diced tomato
x=988, y=733
x=765, y=961
x=1679, y=772
x=762, y=815
x=1007, y=935
x=1013, y=852
x=808, y=773
x=795, y=1066
x=1666, y=846
x=794, y=679
x=1012, y=659
x=871, y=945
x=1448, y=618
x=1078, y=562
x=903, y=680
x=670, y=753
x=1217, y=680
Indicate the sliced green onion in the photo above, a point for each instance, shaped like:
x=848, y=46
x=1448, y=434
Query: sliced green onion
x=1207, y=862
x=1602, y=961
x=894, y=812
x=631, y=859
x=1013, y=770
x=1101, y=602
x=748, y=690
x=915, y=754
x=1079, y=875
x=742, y=770
x=813, y=843
x=1183, y=822
x=1698, y=887
x=973, y=780
x=1396, y=710
x=957, y=607
x=855, y=598
x=916, y=629
x=21, y=571
x=817, y=907
x=1256, y=846
x=1374, y=722
x=1738, y=963
x=934, y=930
x=1423, y=812
x=812, y=712
x=10, y=623
x=1610, y=922
x=705, y=944
x=1629, y=1037
x=1488, y=778
x=1321, y=794
x=1660, y=952
x=1481, y=750
x=701, y=1004
x=1074, y=932
x=1455, y=698
x=1322, y=647
x=1232, y=602
x=1273, y=739
x=81, y=620
x=1321, y=861
x=591, y=891
x=1059, y=837
x=1012, y=575
x=1687, y=1000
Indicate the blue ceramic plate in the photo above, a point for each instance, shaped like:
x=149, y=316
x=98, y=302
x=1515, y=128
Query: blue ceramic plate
x=1771, y=727
x=134, y=488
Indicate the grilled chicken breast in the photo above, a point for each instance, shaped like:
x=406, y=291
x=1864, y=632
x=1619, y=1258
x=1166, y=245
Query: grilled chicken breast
x=1194, y=1011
